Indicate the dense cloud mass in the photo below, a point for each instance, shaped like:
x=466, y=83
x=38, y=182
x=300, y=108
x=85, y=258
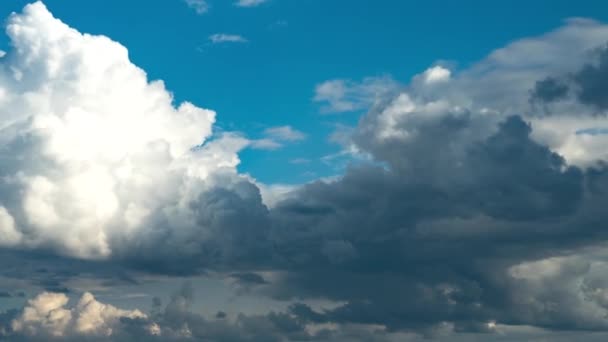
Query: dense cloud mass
x=482, y=210
x=93, y=153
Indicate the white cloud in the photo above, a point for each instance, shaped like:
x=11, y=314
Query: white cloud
x=92, y=149
x=274, y=193
x=436, y=74
x=10, y=235
x=226, y=38
x=48, y=315
x=284, y=133
x=93, y=317
x=199, y=6
x=250, y=3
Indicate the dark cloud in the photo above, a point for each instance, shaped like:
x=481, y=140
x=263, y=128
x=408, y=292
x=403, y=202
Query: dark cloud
x=231, y=229
x=433, y=244
x=248, y=279
x=592, y=80
x=548, y=90
x=589, y=84
x=35, y=272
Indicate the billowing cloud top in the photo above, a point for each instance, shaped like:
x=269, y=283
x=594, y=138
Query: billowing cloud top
x=92, y=148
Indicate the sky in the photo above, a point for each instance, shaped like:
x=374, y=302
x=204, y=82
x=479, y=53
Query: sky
x=292, y=46
x=282, y=170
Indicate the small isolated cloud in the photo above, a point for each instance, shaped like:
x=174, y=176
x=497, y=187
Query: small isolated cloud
x=199, y=6
x=249, y=3
x=2, y=53
x=284, y=133
x=218, y=38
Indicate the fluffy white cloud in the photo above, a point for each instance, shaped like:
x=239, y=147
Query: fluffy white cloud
x=91, y=148
x=436, y=74
x=48, y=315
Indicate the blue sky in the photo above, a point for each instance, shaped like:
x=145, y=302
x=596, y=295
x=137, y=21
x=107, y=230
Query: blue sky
x=293, y=45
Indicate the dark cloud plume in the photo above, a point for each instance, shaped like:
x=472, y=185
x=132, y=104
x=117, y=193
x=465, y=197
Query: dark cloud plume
x=436, y=244
x=549, y=90
x=592, y=80
x=589, y=84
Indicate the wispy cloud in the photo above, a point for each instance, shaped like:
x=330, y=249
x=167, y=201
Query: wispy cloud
x=265, y=144
x=592, y=131
x=345, y=95
x=199, y=6
x=218, y=38
x=276, y=137
x=249, y=3
x=285, y=133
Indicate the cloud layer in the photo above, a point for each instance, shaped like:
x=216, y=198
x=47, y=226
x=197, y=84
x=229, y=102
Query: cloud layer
x=481, y=211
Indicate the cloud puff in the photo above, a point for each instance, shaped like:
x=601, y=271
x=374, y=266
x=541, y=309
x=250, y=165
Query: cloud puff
x=46, y=315
x=91, y=148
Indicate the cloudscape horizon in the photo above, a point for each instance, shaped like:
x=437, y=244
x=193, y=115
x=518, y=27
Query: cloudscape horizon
x=462, y=202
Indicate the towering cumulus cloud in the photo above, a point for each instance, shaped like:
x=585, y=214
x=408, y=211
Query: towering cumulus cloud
x=90, y=149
